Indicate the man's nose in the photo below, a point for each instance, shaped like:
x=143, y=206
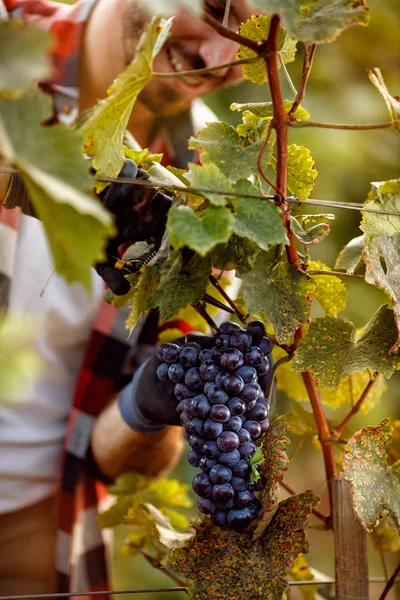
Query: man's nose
x=217, y=50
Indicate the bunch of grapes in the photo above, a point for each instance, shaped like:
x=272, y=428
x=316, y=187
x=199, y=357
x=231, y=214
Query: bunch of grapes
x=223, y=411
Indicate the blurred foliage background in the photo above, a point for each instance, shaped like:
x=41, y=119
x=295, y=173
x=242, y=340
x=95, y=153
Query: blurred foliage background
x=339, y=91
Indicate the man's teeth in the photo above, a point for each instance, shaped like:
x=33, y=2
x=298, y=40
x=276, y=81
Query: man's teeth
x=176, y=64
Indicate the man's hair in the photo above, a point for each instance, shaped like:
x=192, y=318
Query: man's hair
x=134, y=21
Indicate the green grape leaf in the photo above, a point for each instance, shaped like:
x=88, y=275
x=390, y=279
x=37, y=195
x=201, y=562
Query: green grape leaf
x=375, y=483
x=221, y=564
x=393, y=104
x=103, y=129
x=274, y=467
x=313, y=235
x=319, y=21
x=350, y=257
x=129, y=483
x=301, y=171
x=133, y=542
x=183, y=283
x=328, y=351
x=385, y=536
x=209, y=177
x=256, y=459
x=279, y=290
x=302, y=572
x=220, y=143
x=384, y=196
x=239, y=253
x=301, y=421
x=24, y=57
x=385, y=278
x=330, y=292
x=258, y=220
x=201, y=234
x=58, y=181
x=143, y=290
x=143, y=158
x=256, y=29
x=20, y=364
x=116, y=514
x=168, y=491
x=252, y=129
x=177, y=519
x=265, y=110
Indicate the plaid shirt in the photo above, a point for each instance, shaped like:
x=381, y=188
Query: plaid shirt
x=80, y=552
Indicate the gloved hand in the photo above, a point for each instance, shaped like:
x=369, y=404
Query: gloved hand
x=140, y=214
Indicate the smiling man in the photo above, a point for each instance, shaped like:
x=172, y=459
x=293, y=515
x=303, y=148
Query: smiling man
x=81, y=340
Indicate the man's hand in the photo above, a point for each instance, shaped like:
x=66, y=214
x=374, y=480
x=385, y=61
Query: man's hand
x=140, y=214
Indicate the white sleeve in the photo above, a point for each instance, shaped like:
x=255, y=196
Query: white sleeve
x=3, y=12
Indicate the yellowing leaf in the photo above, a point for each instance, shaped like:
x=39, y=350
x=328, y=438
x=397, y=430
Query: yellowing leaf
x=301, y=171
x=143, y=290
x=302, y=572
x=168, y=491
x=265, y=110
x=383, y=197
x=330, y=292
x=385, y=536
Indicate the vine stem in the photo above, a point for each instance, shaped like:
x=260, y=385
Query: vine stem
x=390, y=583
x=356, y=408
x=314, y=511
x=206, y=70
x=350, y=127
x=239, y=313
x=258, y=47
x=308, y=58
x=335, y=274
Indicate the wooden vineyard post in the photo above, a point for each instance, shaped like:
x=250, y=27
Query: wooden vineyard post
x=351, y=561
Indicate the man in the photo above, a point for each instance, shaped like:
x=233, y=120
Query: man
x=95, y=41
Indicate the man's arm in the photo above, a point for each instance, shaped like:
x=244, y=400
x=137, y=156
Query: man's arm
x=117, y=448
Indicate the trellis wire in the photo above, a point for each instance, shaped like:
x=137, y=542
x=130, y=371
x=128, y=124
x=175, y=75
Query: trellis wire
x=188, y=189
x=314, y=582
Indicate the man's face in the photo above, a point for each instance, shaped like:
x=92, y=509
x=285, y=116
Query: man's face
x=192, y=44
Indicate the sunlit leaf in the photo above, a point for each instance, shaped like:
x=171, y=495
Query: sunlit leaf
x=330, y=292
x=385, y=536
x=383, y=197
x=265, y=110
x=210, y=177
x=301, y=171
x=168, y=534
x=302, y=572
x=168, y=491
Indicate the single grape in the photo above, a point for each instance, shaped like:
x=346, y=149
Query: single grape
x=194, y=345
x=226, y=506
x=202, y=406
x=264, y=367
x=229, y=327
x=265, y=345
x=228, y=441
x=220, y=474
x=264, y=425
x=220, y=413
x=206, y=464
x=253, y=356
x=212, y=429
x=231, y=359
x=257, y=330
x=205, y=354
x=239, y=519
x=236, y=406
x=181, y=391
x=248, y=374
x=229, y=459
x=194, y=458
x=169, y=352
x=202, y=485
x=249, y=406
x=219, y=518
x=239, y=484
x=195, y=426
x=241, y=340
x=210, y=449
x=243, y=498
x=162, y=372
x=260, y=483
x=184, y=417
x=217, y=395
x=253, y=427
x=159, y=352
x=259, y=412
x=250, y=391
x=176, y=372
x=209, y=370
x=233, y=384
x=193, y=379
x=205, y=506
x=196, y=443
x=216, y=353
x=233, y=424
x=220, y=378
x=247, y=450
x=242, y=469
x=253, y=510
x=188, y=356
x=222, y=492
x=244, y=436
x=223, y=341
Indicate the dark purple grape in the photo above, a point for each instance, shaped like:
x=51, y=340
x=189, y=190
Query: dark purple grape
x=205, y=506
x=217, y=395
x=248, y=374
x=236, y=406
x=219, y=518
x=229, y=327
x=231, y=359
x=264, y=425
x=259, y=412
x=210, y=449
x=257, y=330
x=196, y=443
x=216, y=353
x=253, y=356
x=193, y=379
x=209, y=370
x=188, y=356
x=206, y=464
x=254, y=428
x=194, y=458
x=238, y=519
x=249, y=406
x=225, y=506
x=212, y=429
x=162, y=372
x=202, y=485
x=195, y=426
x=229, y=459
x=220, y=413
x=222, y=492
x=205, y=354
x=242, y=469
x=253, y=510
x=176, y=372
x=220, y=378
x=220, y=474
x=169, y=352
x=182, y=391
x=202, y=406
x=243, y=498
x=264, y=367
x=260, y=483
x=239, y=484
x=159, y=352
x=244, y=436
x=265, y=345
x=228, y=441
x=251, y=391
x=233, y=424
x=241, y=340
x=223, y=341
x=185, y=416
x=247, y=450
x=233, y=384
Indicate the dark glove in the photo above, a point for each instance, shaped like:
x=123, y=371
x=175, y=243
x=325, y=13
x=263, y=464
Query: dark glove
x=140, y=214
